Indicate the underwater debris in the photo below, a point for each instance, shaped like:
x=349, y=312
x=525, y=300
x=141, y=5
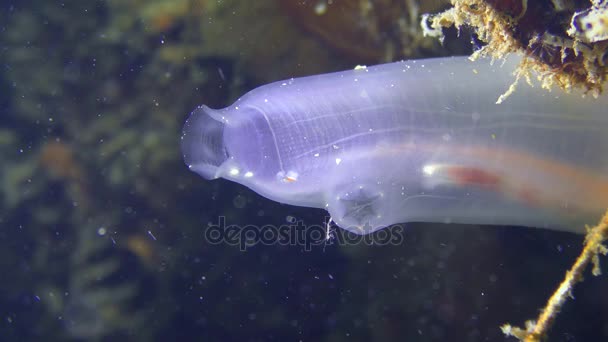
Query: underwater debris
x=536, y=330
x=564, y=41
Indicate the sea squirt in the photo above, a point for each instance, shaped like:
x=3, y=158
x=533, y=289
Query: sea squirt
x=419, y=140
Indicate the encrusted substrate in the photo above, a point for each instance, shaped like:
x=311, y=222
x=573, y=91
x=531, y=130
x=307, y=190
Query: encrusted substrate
x=563, y=41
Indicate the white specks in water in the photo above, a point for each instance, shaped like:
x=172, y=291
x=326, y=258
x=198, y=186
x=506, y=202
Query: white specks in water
x=151, y=235
x=446, y=137
x=239, y=201
x=338, y=161
x=475, y=116
x=236, y=107
x=320, y=8
x=101, y=231
x=234, y=172
x=335, y=147
x=248, y=174
x=316, y=154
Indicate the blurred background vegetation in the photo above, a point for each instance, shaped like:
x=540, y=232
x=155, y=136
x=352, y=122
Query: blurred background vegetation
x=102, y=225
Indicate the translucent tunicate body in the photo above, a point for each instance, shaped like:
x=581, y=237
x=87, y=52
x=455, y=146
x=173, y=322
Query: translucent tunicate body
x=413, y=141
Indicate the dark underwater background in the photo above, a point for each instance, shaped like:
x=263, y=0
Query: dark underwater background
x=106, y=236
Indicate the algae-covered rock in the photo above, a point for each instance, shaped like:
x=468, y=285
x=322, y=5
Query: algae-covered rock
x=565, y=41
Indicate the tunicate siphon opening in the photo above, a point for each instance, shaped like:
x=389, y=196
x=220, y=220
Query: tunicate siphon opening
x=202, y=142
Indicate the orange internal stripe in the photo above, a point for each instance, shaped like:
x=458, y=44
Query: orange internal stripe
x=463, y=175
